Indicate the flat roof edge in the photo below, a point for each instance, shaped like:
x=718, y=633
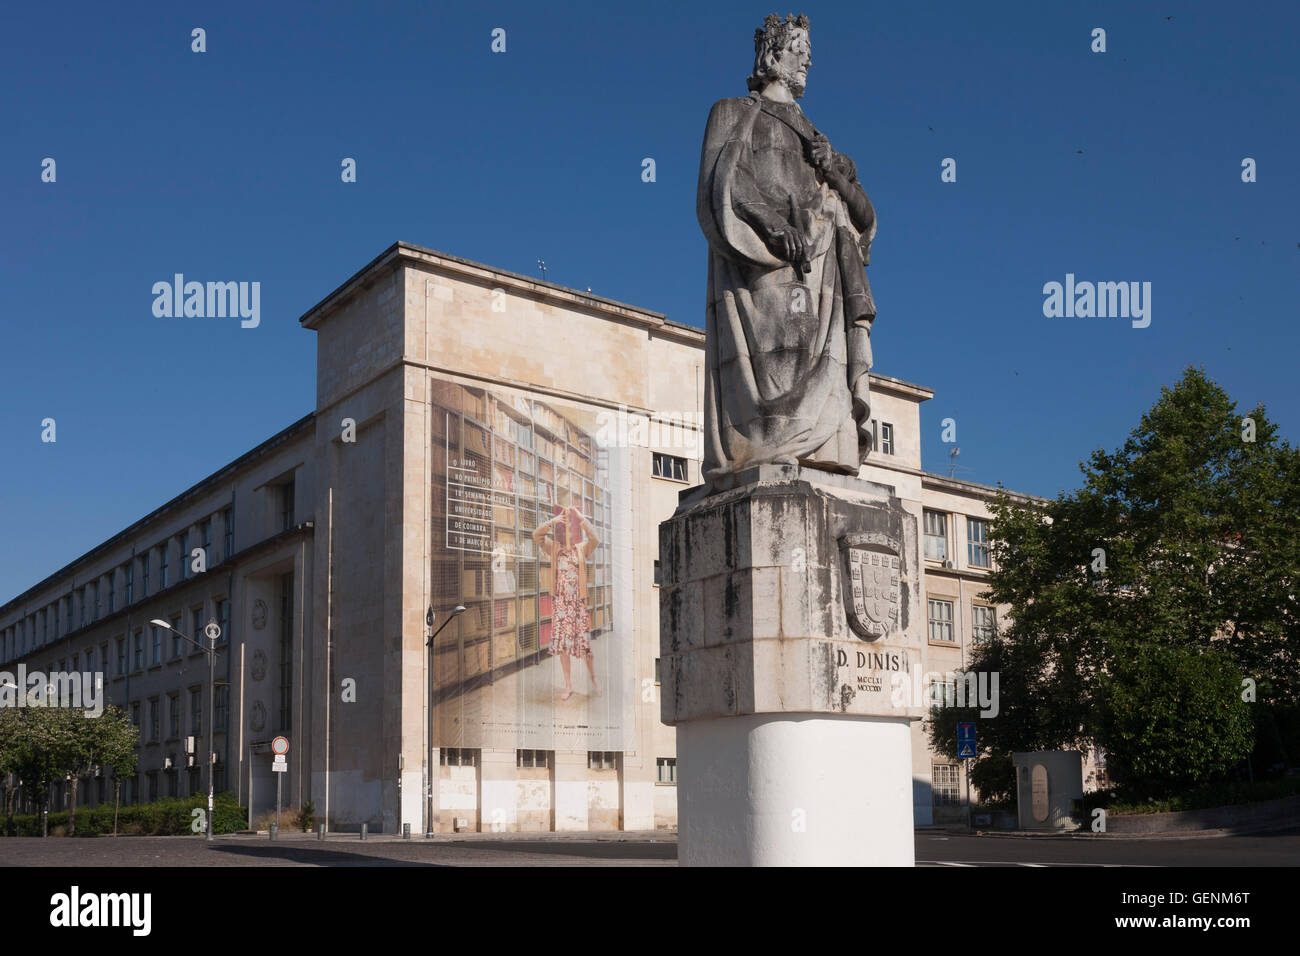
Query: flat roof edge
x=405, y=251
x=277, y=439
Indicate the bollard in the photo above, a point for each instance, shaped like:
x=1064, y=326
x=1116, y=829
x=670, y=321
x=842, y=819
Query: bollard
x=320, y=831
x=406, y=831
x=365, y=828
x=275, y=829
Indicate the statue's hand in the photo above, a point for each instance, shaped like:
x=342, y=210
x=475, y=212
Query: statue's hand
x=784, y=242
x=821, y=155
x=838, y=181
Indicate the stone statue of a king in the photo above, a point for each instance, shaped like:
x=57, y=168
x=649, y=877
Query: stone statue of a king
x=789, y=317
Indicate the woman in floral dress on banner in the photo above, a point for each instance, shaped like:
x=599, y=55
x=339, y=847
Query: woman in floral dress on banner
x=562, y=540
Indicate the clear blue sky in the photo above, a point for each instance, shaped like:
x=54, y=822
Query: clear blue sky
x=225, y=166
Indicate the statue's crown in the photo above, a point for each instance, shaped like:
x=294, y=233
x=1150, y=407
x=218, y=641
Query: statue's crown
x=776, y=32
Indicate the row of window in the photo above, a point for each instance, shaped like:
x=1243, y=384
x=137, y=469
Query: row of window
x=146, y=649
x=93, y=600
x=151, y=733
x=983, y=622
x=666, y=767
x=136, y=788
x=134, y=579
x=936, y=539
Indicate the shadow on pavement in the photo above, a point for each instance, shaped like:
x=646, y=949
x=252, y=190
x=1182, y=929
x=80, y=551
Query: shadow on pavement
x=314, y=857
x=598, y=850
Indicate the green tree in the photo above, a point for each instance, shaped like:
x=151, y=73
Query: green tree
x=1171, y=717
x=1183, y=538
x=30, y=749
x=80, y=744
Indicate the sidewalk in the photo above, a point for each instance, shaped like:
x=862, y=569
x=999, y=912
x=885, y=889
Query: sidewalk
x=583, y=836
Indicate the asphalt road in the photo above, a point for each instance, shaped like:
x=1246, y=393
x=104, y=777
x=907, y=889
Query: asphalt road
x=1272, y=849
x=932, y=849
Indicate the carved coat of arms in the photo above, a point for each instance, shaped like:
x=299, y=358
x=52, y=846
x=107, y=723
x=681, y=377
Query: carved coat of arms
x=870, y=565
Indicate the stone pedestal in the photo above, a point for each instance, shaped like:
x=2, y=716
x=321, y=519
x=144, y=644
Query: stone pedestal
x=790, y=629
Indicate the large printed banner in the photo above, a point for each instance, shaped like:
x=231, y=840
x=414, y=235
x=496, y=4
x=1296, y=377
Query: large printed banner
x=531, y=537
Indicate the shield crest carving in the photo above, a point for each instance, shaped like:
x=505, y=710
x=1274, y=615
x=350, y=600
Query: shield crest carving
x=870, y=566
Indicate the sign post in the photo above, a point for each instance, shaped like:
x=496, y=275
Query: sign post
x=280, y=747
x=212, y=630
x=966, y=751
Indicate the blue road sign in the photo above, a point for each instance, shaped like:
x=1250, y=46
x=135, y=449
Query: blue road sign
x=966, y=740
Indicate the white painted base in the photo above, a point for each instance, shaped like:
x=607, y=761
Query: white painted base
x=795, y=790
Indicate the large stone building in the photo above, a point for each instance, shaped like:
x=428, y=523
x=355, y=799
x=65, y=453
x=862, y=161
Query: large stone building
x=458, y=408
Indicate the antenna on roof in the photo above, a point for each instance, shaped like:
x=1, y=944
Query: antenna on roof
x=952, y=460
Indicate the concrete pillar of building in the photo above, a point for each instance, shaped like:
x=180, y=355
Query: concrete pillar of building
x=638, y=796
x=571, y=799
x=496, y=812
x=790, y=634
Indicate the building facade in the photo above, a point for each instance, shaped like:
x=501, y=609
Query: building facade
x=480, y=440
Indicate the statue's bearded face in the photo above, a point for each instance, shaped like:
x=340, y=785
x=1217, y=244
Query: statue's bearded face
x=792, y=66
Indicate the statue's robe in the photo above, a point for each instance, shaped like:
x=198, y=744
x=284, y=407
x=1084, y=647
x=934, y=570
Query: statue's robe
x=787, y=353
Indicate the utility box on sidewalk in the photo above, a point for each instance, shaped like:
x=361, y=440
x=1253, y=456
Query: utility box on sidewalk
x=1047, y=783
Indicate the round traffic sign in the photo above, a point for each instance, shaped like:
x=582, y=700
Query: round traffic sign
x=212, y=630
x=280, y=745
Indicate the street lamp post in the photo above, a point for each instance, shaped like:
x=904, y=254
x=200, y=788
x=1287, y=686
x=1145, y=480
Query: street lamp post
x=213, y=633
x=428, y=757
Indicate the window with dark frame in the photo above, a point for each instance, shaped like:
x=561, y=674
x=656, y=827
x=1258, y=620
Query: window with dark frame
x=936, y=535
x=940, y=617
x=534, y=759
x=944, y=778
x=669, y=466
x=458, y=757
x=666, y=769
x=983, y=623
x=977, y=542
x=602, y=759
x=286, y=505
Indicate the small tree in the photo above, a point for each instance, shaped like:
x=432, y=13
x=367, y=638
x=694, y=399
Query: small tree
x=11, y=742
x=81, y=743
x=34, y=747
